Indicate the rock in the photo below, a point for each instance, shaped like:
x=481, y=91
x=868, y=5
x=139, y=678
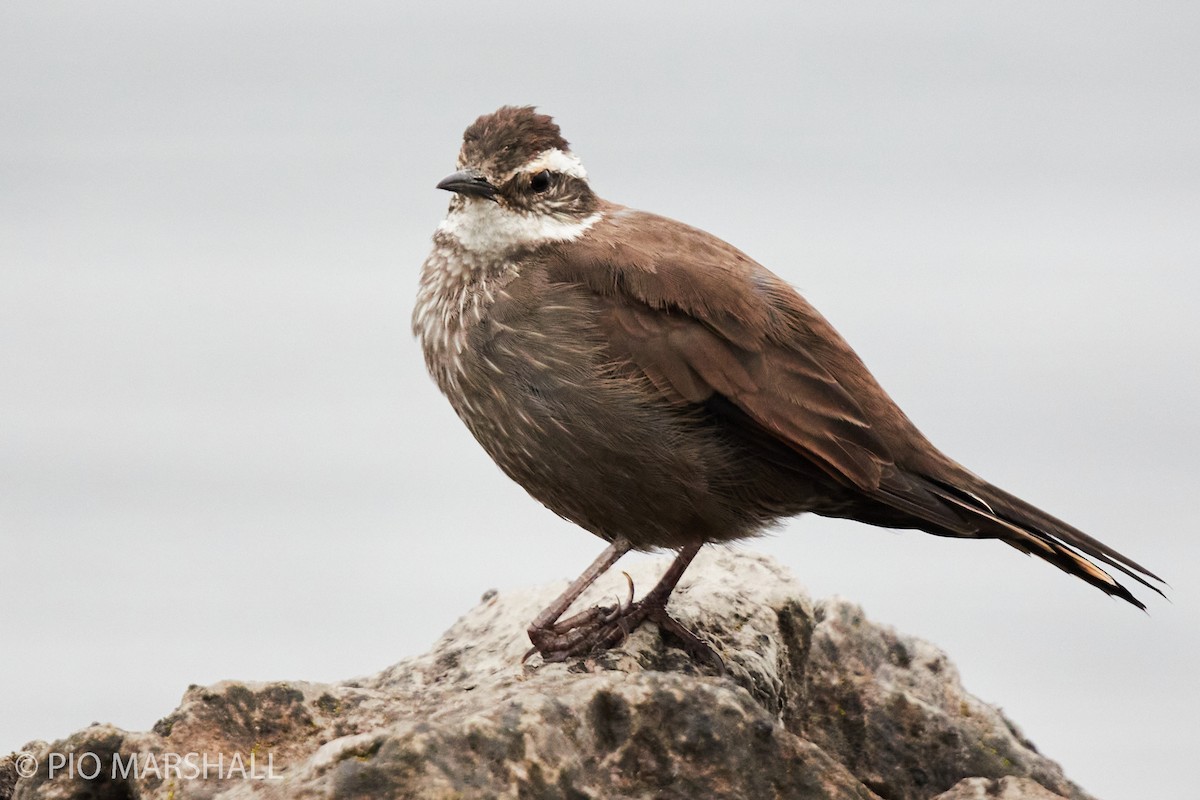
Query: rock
x=817, y=702
x=1008, y=788
x=8, y=775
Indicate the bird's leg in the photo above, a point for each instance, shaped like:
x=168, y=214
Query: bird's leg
x=654, y=607
x=602, y=628
x=547, y=632
x=597, y=614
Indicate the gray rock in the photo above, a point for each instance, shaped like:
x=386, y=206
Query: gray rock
x=818, y=702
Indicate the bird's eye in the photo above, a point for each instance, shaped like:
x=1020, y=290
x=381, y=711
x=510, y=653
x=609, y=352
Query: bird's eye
x=540, y=182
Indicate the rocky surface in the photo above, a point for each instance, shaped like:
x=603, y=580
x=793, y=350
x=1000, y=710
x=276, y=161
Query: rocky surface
x=817, y=702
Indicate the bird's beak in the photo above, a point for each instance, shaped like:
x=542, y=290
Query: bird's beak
x=469, y=182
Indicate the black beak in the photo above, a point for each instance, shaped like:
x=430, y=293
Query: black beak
x=468, y=182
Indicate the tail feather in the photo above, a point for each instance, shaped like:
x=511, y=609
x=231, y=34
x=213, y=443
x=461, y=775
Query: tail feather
x=1033, y=531
x=1017, y=507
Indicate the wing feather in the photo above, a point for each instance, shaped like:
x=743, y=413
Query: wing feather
x=707, y=325
x=699, y=318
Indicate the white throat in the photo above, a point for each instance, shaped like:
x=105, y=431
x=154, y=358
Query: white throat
x=483, y=226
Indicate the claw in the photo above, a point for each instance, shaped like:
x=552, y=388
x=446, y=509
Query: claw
x=629, y=598
x=599, y=628
x=611, y=614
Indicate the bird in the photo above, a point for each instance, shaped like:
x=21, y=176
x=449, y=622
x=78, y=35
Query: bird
x=659, y=388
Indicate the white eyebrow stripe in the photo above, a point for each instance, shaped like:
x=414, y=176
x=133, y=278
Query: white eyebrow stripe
x=557, y=160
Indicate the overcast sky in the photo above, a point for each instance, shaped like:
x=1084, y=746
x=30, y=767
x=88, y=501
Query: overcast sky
x=220, y=456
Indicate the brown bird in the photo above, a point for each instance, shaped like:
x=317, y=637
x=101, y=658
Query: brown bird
x=656, y=386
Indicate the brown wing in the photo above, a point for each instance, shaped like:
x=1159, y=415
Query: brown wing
x=699, y=318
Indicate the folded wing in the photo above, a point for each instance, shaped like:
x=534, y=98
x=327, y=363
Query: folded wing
x=700, y=319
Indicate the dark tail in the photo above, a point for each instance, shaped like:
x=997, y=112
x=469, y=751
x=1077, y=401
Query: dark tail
x=1000, y=515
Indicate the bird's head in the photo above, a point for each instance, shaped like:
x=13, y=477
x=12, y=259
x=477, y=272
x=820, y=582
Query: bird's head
x=517, y=184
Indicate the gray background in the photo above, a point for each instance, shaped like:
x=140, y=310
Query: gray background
x=220, y=456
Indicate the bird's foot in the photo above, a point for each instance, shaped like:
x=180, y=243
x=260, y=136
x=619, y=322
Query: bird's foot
x=577, y=634
x=603, y=627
